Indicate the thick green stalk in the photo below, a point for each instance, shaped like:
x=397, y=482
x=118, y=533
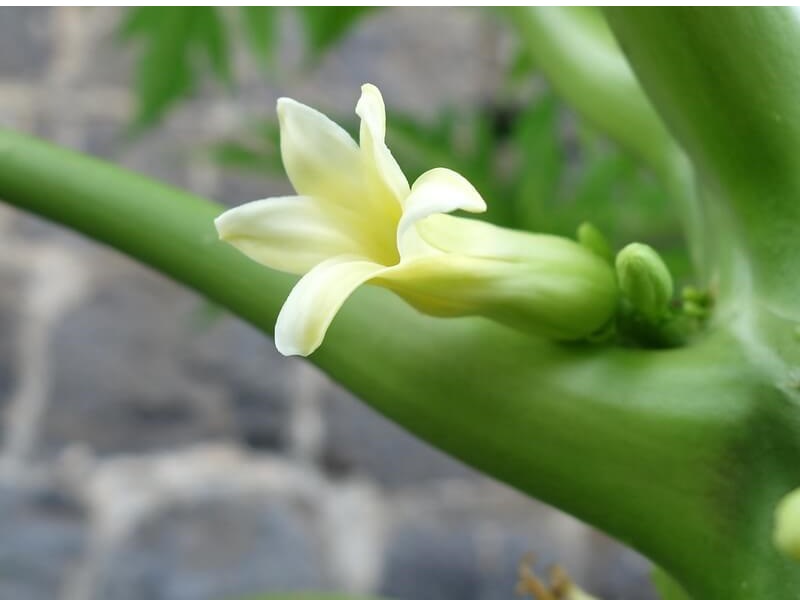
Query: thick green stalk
x=579, y=56
x=670, y=451
x=727, y=83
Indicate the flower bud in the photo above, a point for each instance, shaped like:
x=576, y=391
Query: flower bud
x=590, y=238
x=786, y=535
x=644, y=280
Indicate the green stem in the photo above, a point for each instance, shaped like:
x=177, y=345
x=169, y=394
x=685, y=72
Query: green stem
x=159, y=225
x=670, y=451
x=579, y=56
x=727, y=83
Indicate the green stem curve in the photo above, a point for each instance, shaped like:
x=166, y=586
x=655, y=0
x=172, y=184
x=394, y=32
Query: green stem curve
x=727, y=84
x=579, y=56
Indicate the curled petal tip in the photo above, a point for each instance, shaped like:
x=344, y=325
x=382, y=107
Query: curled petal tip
x=370, y=107
x=472, y=201
x=282, y=104
x=369, y=88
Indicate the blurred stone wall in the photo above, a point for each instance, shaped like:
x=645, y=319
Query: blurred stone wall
x=148, y=452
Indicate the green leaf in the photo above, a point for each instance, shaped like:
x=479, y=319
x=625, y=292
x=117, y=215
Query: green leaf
x=179, y=43
x=325, y=25
x=240, y=156
x=259, y=23
x=540, y=164
x=210, y=37
x=138, y=20
x=259, y=153
x=595, y=193
x=172, y=39
x=162, y=74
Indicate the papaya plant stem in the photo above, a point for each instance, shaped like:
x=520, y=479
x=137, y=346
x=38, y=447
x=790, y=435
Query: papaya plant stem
x=579, y=56
x=727, y=83
x=674, y=452
x=157, y=224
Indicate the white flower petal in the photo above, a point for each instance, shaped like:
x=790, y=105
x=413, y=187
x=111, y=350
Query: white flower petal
x=436, y=191
x=290, y=233
x=320, y=158
x=386, y=173
x=315, y=300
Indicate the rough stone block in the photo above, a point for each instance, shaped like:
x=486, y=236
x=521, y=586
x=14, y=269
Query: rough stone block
x=44, y=540
x=216, y=549
x=11, y=286
x=25, y=41
x=138, y=366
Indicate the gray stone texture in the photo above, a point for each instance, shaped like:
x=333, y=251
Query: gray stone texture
x=153, y=447
x=219, y=548
x=10, y=300
x=43, y=539
x=25, y=42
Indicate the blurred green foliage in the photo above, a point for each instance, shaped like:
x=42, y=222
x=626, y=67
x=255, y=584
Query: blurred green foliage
x=173, y=39
x=538, y=165
x=179, y=44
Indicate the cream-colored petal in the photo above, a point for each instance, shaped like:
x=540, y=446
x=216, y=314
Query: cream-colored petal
x=436, y=191
x=320, y=158
x=289, y=233
x=315, y=300
x=386, y=175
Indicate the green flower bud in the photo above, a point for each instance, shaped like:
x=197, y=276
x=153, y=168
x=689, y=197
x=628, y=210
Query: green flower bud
x=786, y=535
x=644, y=280
x=590, y=238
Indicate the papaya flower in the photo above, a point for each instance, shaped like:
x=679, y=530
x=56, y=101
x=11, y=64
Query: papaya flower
x=355, y=219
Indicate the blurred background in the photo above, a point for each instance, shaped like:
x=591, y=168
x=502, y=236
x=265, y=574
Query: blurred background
x=153, y=447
